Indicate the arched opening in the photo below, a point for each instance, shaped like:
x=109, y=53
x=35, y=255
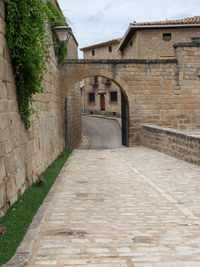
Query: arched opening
x=109, y=101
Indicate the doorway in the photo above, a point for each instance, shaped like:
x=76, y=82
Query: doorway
x=102, y=102
x=124, y=119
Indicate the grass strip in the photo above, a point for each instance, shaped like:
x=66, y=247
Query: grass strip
x=21, y=213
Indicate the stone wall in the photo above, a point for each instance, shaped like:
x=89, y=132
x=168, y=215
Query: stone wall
x=176, y=143
x=25, y=154
x=72, y=51
x=74, y=122
x=187, y=100
x=103, y=52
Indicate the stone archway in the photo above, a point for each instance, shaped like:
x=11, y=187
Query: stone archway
x=72, y=75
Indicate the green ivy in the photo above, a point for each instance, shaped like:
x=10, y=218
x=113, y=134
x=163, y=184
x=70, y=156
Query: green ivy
x=29, y=48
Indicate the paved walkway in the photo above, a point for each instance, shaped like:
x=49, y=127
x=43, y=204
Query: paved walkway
x=123, y=207
x=102, y=132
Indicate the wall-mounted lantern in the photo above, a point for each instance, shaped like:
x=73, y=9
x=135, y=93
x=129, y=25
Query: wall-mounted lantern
x=63, y=33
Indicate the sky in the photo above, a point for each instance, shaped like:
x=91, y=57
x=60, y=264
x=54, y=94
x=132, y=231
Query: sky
x=96, y=21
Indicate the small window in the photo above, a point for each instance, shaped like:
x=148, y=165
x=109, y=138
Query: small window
x=167, y=36
x=93, y=53
x=113, y=96
x=91, y=97
x=110, y=49
x=131, y=43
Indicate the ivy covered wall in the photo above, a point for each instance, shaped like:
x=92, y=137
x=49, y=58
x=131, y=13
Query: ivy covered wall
x=27, y=147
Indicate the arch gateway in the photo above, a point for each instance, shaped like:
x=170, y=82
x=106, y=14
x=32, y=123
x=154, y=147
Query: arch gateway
x=163, y=92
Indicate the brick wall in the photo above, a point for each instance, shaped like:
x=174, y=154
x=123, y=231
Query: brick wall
x=176, y=143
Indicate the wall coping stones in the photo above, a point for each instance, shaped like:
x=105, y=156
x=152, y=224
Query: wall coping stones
x=190, y=136
x=121, y=61
x=187, y=44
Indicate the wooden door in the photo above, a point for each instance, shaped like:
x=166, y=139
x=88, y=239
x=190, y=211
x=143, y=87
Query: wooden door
x=102, y=102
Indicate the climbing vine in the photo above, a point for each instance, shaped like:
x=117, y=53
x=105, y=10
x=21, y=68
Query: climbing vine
x=56, y=18
x=29, y=48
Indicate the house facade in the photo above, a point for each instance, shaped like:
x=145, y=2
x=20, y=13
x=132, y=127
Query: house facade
x=155, y=40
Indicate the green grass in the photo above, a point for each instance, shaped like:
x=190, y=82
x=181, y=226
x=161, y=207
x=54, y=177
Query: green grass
x=20, y=214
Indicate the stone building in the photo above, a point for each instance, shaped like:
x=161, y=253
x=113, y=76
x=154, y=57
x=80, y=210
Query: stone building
x=155, y=40
x=145, y=40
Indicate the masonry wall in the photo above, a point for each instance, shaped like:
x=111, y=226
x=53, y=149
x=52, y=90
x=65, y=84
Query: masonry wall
x=102, y=52
x=149, y=43
x=176, y=143
x=25, y=154
x=187, y=100
x=74, y=121
x=72, y=51
x=152, y=91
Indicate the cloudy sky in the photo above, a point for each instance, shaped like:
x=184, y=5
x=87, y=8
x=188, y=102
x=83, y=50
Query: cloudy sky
x=95, y=21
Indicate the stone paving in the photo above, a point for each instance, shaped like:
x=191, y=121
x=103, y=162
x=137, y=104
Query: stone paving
x=122, y=207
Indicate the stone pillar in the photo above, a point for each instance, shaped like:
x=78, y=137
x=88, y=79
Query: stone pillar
x=188, y=100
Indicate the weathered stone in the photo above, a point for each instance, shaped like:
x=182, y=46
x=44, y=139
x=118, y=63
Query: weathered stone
x=3, y=171
x=3, y=196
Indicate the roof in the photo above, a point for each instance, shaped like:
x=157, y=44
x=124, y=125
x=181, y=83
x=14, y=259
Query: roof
x=186, y=22
x=110, y=42
x=190, y=20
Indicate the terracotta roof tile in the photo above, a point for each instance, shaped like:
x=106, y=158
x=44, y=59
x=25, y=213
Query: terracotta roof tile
x=190, y=20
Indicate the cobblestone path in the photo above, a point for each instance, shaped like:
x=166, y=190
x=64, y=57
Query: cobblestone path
x=123, y=207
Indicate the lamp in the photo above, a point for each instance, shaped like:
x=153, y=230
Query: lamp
x=63, y=33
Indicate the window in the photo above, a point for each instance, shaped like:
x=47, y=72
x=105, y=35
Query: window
x=95, y=80
x=93, y=53
x=131, y=43
x=113, y=96
x=110, y=49
x=167, y=36
x=91, y=97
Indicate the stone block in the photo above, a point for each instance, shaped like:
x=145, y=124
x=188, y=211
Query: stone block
x=10, y=187
x=2, y=170
x=2, y=26
x=11, y=91
x=3, y=106
x=30, y=169
x=13, y=161
x=10, y=146
x=3, y=90
x=3, y=197
x=2, y=149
